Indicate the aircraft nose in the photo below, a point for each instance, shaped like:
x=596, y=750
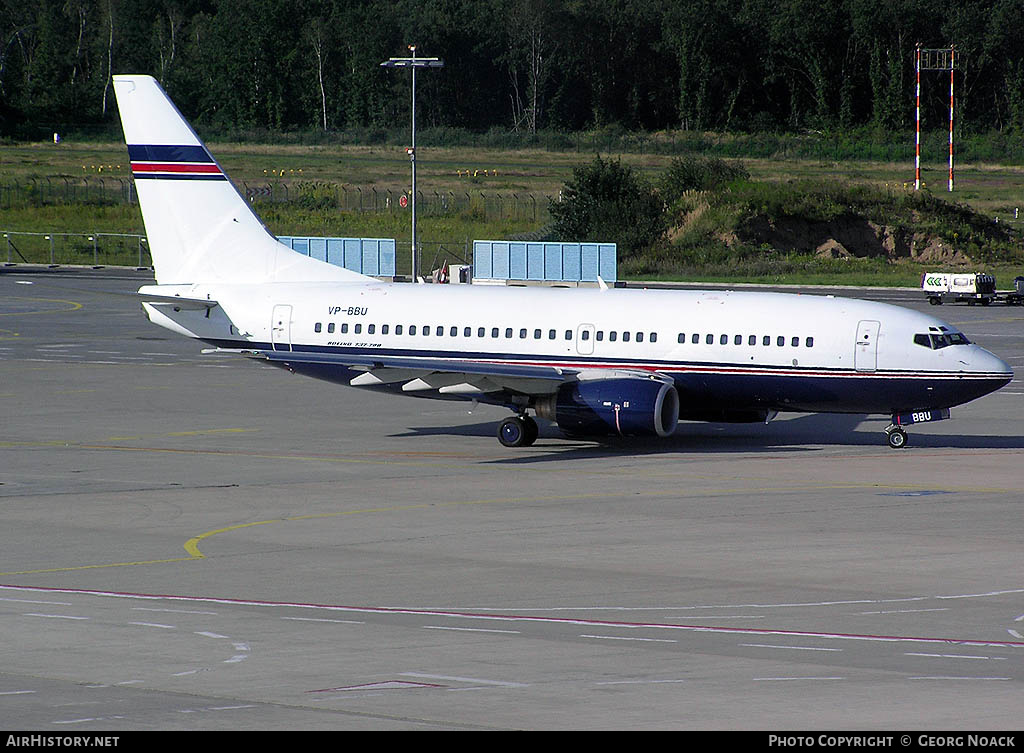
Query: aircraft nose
x=986, y=362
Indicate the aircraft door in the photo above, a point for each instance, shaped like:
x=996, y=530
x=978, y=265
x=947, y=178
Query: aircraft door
x=281, y=328
x=585, y=339
x=865, y=357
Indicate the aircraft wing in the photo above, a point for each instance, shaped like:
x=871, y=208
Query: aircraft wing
x=448, y=376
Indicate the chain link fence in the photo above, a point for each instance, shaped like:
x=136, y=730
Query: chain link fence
x=488, y=205
x=82, y=249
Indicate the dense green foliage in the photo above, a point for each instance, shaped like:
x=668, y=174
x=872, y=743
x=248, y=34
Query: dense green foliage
x=607, y=200
x=525, y=66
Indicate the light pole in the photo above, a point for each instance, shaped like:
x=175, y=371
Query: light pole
x=414, y=63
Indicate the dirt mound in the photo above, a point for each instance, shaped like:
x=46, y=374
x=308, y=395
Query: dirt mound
x=849, y=237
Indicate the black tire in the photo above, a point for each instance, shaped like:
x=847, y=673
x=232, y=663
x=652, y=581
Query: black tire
x=934, y=300
x=986, y=301
x=532, y=430
x=897, y=439
x=513, y=432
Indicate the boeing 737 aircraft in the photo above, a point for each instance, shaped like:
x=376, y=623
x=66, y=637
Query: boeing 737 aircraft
x=601, y=361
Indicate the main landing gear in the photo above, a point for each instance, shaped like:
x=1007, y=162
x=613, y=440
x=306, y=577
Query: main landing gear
x=517, y=431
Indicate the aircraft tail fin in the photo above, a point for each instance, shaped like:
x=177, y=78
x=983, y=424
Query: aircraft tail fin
x=200, y=229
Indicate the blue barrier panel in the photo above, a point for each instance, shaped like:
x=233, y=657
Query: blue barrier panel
x=368, y=256
x=318, y=248
x=500, y=261
x=607, y=265
x=589, y=262
x=555, y=262
x=518, y=263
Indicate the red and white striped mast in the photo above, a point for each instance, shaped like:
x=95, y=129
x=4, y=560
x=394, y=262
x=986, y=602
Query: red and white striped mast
x=951, y=68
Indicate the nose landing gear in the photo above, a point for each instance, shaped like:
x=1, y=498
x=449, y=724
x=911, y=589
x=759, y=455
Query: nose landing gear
x=896, y=437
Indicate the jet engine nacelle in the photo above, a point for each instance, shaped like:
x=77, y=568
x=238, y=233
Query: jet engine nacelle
x=627, y=406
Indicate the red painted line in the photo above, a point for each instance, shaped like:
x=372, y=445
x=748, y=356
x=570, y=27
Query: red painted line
x=174, y=167
x=527, y=618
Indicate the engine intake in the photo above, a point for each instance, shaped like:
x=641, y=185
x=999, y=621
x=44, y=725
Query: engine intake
x=627, y=406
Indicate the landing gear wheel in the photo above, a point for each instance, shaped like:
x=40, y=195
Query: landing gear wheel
x=532, y=430
x=518, y=431
x=934, y=300
x=897, y=438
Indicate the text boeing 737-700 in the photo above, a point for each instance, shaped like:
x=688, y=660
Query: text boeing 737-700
x=601, y=361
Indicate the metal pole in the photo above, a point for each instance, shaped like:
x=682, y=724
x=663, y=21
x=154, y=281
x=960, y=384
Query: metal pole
x=414, y=63
x=917, y=134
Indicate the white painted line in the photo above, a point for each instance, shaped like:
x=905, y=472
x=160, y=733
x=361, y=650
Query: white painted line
x=30, y=601
x=907, y=611
x=187, y=672
x=780, y=679
x=55, y=616
x=16, y=692
x=153, y=624
x=950, y=677
x=791, y=648
x=1015, y=634
x=955, y=656
x=231, y=708
x=642, y=682
x=470, y=630
x=236, y=659
x=211, y=635
x=324, y=619
x=175, y=611
x=73, y=721
x=130, y=682
x=474, y=680
x=620, y=638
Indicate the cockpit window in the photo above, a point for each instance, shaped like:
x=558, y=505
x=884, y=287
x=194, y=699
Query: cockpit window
x=936, y=342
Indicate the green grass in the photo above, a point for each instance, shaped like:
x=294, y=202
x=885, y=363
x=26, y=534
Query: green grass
x=993, y=190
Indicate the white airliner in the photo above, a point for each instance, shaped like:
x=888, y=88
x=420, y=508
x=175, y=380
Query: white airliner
x=602, y=361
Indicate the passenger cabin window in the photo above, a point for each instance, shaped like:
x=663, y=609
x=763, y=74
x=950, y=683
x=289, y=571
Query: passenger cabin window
x=695, y=339
x=639, y=337
x=723, y=340
x=330, y=328
x=780, y=341
x=682, y=338
x=613, y=336
x=412, y=329
x=551, y=334
x=358, y=329
x=654, y=337
x=317, y=327
x=384, y=329
x=709, y=339
x=752, y=340
x=766, y=340
x=737, y=340
x=809, y=342
x=625, y=337
x=398, y=329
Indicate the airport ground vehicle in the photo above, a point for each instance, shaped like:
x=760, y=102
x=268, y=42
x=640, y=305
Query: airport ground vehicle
x=973, y=287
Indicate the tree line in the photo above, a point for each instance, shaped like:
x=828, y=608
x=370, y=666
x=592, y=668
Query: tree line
x=515, y=65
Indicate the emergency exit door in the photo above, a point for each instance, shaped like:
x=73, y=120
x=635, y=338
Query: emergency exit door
x=281, y=328
x=865, y=356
